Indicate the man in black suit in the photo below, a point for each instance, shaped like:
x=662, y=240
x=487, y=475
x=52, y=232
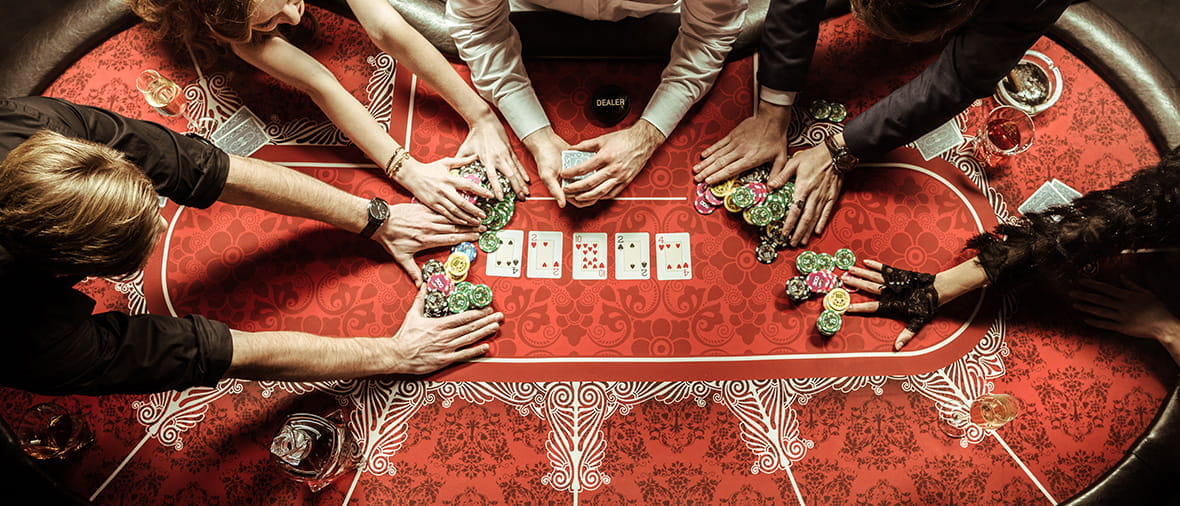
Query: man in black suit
x=985, y=39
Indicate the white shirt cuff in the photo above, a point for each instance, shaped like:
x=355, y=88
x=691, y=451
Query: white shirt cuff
x=523, y=112
x=776, y=97
x=666, y=109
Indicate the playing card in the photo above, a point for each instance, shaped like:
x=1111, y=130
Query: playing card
x=241, y=134
x=544, y=255
x=589, y=256
x=939, y=140
x=572, y=158
x=1065, y=190
x=1045, y=197
x=632, y=256
x=673, y=256
x=505, y=261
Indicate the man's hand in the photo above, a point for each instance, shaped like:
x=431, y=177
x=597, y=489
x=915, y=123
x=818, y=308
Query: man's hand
x=424, y=345
x=1129, y=309
x=487, y=140
x=546, y=147
x=817, y=187
x=435, y=186
x=411, y=228
x=759, y=139
x=618, y=158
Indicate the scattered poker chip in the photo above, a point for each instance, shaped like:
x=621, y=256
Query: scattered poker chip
x=773, y=233
x=822, y=281
x=703, y=206
x=724, y=188
x=458, y=302
x=844, y=258
x=824, y=262
x=489, y=241
x=432, y=267
x=797, y=289
x=837, y=113
x=837, y=300
x=766, y=253
x=820, y=110
x=742, y=197
x=756, y=175
x=480, y=295
x=466, y=248
x=441, y=283
x=805, y=262
x=829, y=322
x=457, y=266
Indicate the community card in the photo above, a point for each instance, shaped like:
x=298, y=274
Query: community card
x=544, y=255
x=589, y=256
x=572, y=158
x=673, y=256
x=505, y=261
x=939, y=140
x=632, y=256
x=1045, y=197
x=242, y=133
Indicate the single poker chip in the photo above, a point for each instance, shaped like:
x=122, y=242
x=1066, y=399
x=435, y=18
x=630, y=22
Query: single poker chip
x=822, y=281
x=441, y=283
x=457, y=266
x=432, y=267
x=797, y=289
x=837, y=300
x=463, y=286
x=703, y=206
x=489, y=241
x=844, y=258
x=761, y=192
x=724, y=188
x=778, y=211
x=480, y=295
x=458, y=302
x=829, y=322
x=837, y=113
x=805, y=262
x=761, y=216
x=712, y=199
x=824, y=262
x=742, y=197
x=766, y=253
x=730, y=205
x=820, y=110
x=466, y=248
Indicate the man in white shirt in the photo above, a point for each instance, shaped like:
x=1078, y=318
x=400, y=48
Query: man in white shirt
x=490, y=45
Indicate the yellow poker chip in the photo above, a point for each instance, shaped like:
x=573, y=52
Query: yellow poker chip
x=722, y=190
x=730, y=205
x=457, y=266
x=837, y=300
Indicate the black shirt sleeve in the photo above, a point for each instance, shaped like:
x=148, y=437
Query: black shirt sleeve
x=788, y=43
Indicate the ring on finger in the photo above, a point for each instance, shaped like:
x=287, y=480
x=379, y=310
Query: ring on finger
x=800, y=203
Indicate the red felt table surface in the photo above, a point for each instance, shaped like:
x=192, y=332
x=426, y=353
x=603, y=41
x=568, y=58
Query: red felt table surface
x=715, y=389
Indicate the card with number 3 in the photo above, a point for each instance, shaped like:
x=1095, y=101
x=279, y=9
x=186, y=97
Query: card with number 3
x=673, y=256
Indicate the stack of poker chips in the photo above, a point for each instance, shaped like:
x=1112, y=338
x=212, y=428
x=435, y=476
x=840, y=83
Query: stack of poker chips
x=758, y=205
x=447, y=289
x=499, y=212
x=817, y=276
x=822, y=110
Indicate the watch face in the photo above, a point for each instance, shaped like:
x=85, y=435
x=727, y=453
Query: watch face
x=378, y=209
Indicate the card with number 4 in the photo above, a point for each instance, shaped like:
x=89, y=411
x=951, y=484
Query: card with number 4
x=589, y=256
x=673, y=256
x=544, y=255
x=632, y=256
x=506, y=260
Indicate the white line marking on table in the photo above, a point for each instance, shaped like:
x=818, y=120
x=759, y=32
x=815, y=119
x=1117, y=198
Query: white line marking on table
x=121, y=466
x=1024, y=467
x=795, y=485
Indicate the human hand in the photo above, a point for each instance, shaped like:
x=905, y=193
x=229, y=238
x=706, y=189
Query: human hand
x=487, y=140
x=903, y=295
x=546, y=147
x=817, y=187
x=756, y=140
x=424, y=345
x=1128, y=309
x=618, y=158
x=411, y=228
x=434, y=185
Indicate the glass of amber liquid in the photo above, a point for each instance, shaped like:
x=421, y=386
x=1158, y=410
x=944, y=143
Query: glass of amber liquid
x=1005, y=132
x=161, y=93
x=315, y=449
x=48, y=431
x=992, y=411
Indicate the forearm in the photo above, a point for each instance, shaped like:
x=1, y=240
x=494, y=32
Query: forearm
x=958, y=280
x=356, y=122
x=298, y=356
x=277, y=189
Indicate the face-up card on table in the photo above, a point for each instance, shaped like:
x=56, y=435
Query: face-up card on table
x=632, y=256
x=673, y=256
x=571, y=158
x=506, y=261
x=590, y=252
x=544, y=255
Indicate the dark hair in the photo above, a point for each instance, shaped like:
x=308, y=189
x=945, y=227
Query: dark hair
x=913, y=20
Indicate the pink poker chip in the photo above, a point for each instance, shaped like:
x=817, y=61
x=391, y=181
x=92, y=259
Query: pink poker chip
x=711, y=199
x=703, y=206
x=761, y=191
x=473, y=178
x=441, y=283
x=822, y=281
x=702, y=188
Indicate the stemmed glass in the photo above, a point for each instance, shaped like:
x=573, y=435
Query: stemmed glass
x=988, y=412
x=1005, y=131
x=161, y=93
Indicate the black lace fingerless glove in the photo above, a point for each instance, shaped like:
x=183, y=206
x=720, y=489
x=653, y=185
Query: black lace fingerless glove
x=908, y=296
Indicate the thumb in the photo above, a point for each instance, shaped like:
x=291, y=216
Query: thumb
x=586, y=145
x=411, y=267
x=903, y=338
x=419, y=301
x=458, y=161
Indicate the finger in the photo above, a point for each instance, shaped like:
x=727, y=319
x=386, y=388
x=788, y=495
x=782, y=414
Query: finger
x=714, y=169
x=597, y=193
x=861, y=272
x=592, y=164
x=1133, y=286
x=441, y=208
x=448, y=240
x=493, y=173
x=517, y=178
x=419, y=301
x=902, y=338
x=587, y=145
x=480, y=329
x=411, y=267
x=460, y=215
x=864, y=307
x=789, y=169
x=462, y=323
x=554, y=187
x=1096, y=310
x=824, y=216
x=780, y=162
x=1102, y=324
x=465, y=185
x=1095, y=298
x=472, y=213
x=467, y=354
x=863, y=284
x=733, y=168
x=590, y=182
x=1110, y=291
x=717, y=146
x=876, y=266
x=455, y=162
x=806, y=223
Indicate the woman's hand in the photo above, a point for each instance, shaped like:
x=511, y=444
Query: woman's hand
x=487, y=140
x=902, y=295
x=434, y=186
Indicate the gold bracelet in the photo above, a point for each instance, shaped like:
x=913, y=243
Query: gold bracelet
x=390, y=169
x=397, y=166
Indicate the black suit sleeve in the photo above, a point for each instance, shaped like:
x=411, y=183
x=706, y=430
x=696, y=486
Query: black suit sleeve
x=788, y=43
x=976, y=58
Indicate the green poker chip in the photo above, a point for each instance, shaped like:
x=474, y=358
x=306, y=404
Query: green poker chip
x=805, y=262
x=829, y=322
x=458, y=302
x=844, y=258
x=824, y=262
x=820, y=110
x=463, y=286
x=743, y=197
x=789, y=190
x=480, y=295
x=797, y=289
x=778, y=210
x=761, y=215
x=489, y=241
x=837, y=113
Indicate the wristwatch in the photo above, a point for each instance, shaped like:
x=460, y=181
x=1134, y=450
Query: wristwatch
x=378, y=212
x=842, y=159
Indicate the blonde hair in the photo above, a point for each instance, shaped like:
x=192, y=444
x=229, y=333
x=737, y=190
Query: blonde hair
x=73, y=207
x=204, y=25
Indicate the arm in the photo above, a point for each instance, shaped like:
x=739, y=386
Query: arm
x=1129, y=309
x=431, y=183
x=486, y=137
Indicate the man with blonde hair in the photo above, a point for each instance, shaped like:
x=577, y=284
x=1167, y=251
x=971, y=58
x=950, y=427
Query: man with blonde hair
x=78, y=197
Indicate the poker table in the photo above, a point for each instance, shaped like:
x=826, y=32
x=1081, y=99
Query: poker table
x=711, y=389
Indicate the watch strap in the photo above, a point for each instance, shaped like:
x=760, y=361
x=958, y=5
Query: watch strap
x=375, y=221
